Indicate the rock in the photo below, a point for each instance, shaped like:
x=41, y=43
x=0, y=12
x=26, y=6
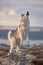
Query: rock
x=19, y=53
x=10, y=61
x=23, y=62
x=30, y=57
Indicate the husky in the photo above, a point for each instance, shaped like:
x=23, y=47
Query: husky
x=24, y=28
x=14, y=40
x=21, y=33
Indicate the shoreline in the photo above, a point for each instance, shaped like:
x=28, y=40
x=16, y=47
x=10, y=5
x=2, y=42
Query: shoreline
x=31, y=42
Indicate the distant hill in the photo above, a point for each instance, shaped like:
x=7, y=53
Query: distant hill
x=15, y=27
x=8, y=27
x=36, y=28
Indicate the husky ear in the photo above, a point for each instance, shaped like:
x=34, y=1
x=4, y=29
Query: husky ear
x=22, y=15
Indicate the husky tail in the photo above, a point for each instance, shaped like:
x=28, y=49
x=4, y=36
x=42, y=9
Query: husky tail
x=9, y=35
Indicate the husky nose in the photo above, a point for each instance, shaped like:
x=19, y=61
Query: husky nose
x=27, y=13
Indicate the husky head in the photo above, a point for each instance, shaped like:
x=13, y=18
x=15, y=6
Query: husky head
x=24, y=20
x=25, y=16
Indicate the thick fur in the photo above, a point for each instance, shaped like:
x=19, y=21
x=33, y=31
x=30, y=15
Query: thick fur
x=24, y=27
x=21, y=33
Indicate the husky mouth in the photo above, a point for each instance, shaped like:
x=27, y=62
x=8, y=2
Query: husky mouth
x=27, y=13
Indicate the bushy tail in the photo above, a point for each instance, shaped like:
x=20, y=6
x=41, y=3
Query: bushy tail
x=9, y=35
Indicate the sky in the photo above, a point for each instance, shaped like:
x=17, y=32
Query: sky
x=11, y=10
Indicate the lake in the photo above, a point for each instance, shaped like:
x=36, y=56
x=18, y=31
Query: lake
x=31, y=42
x=35, y=37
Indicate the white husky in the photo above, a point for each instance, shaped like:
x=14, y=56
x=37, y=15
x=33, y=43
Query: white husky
x=20, y=34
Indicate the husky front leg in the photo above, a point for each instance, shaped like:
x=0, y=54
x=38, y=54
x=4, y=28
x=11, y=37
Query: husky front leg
x=10, y=51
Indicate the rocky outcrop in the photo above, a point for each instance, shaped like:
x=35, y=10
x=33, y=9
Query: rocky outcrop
x=30, y=55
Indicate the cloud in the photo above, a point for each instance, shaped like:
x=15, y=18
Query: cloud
x=8, y=16
x=37, y=3
x=21, y=3
x=8, y=12
x=10, y=9
x=28, y=2
x=36, y=20
x=12, y=12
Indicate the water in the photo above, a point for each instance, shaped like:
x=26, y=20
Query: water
x=36, y=42
x=4, y=41
x=33, y=35
x=36, y=37
x=31, y=42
